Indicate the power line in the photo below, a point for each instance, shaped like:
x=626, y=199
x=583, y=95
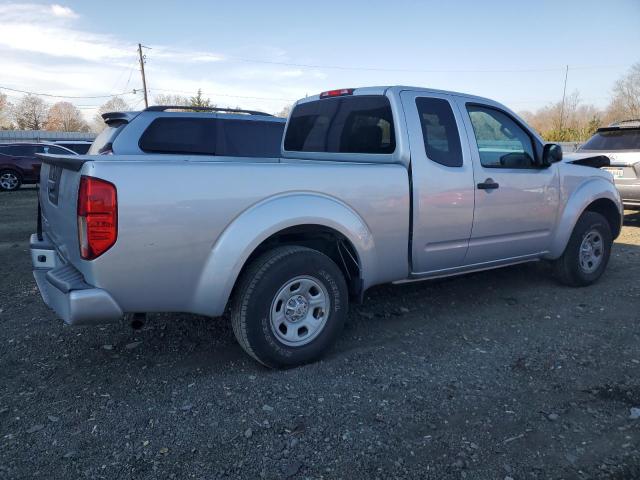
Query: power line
x=411, y=70
x=542, y=100
x=123, y=72
x=223, y=58
x=64, y=96
x=211, y=94
x=382, y=69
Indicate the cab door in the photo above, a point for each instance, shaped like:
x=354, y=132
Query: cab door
x=516, y=200
x=442, y=182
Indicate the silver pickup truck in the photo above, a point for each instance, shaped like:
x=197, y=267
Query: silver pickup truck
x=373, y=185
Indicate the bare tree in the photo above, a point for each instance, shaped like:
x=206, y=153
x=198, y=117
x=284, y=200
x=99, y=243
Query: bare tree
x=168, y=99
x=65, y=117
x=625, y=103
x=284, y=113
x=115, y=104
x=30, y=113
x=574, y=121
x=5, y=113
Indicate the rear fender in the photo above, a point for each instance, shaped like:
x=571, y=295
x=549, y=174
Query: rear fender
x=595, y=188
x=260, y=221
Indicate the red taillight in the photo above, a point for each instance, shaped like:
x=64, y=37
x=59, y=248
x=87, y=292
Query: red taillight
x=337, y=93
x=97, y=217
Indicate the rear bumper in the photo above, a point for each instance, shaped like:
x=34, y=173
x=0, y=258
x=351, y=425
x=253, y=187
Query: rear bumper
x=630, y=194
x=64, y=290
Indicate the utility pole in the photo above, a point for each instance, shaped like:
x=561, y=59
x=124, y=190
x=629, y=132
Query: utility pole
x=144, y=79
x=564, y=94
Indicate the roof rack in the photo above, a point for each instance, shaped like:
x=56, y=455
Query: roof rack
x=631, y=123
x=162, y=108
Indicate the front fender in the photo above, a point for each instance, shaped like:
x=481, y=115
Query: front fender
x=254, y=225
x=578, y=200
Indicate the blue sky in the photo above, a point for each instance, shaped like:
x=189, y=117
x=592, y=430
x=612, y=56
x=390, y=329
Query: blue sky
x=265, y=54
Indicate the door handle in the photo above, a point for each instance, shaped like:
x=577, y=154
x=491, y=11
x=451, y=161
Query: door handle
x=488, y=184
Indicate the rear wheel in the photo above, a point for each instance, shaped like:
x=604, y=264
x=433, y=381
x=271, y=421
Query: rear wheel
x=290, y=306
x=587, y=254
x=10, y=180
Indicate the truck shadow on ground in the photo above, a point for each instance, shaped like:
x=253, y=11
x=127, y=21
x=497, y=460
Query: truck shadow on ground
x=632, y=218
x=435, y=307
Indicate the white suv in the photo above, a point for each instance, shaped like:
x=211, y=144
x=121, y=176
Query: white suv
x=621, y=143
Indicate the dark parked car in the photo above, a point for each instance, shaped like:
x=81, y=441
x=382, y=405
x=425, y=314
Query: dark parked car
x=79, y=146
x=19, y=164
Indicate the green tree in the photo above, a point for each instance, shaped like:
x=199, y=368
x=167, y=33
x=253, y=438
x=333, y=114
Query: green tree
x=200, y=101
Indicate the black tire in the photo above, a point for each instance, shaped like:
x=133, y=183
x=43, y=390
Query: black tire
x=568, y=268
x=255, y=298
x=4, y=180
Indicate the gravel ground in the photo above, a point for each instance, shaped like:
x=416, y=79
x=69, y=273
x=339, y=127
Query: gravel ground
x=497, y=375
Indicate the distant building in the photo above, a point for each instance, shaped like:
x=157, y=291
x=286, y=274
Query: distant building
x=43, y=136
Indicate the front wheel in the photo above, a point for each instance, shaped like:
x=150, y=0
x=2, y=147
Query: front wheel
x=10, y=180
x=587, y=254
x=290, y=306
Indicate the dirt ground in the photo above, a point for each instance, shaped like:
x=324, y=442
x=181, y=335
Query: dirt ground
x=497, y=375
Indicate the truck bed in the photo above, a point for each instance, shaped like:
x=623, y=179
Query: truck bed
x=173, y=211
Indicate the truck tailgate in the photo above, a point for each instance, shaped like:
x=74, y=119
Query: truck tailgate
x=58, y=196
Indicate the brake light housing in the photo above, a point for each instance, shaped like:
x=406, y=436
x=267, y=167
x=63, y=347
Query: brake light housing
x=97, y=216
x=337, y=93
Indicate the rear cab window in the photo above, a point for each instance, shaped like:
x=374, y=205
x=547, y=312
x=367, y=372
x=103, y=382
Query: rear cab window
x=349, y=124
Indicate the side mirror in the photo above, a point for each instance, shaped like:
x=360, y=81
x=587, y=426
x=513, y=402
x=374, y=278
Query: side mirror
x=551, y=153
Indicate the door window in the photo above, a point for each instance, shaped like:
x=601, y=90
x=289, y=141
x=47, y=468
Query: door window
x=439, y=131
x=23, y=150
x=57, y=150
x=502, y=143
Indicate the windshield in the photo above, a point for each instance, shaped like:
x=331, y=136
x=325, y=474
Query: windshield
x=611, y=140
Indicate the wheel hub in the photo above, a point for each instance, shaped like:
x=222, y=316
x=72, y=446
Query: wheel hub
x=591, y=251
x=299, y=311
x=296, y=308
x=8, y=181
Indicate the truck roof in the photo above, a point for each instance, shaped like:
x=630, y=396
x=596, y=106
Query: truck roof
x=383, y=89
